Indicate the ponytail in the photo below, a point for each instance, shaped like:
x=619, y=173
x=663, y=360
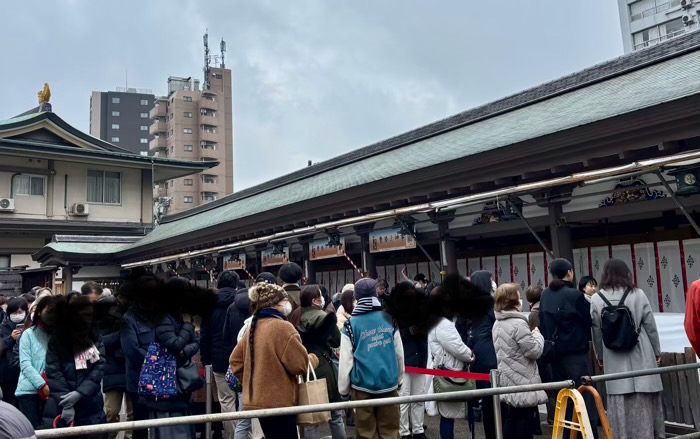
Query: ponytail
x=251, y=339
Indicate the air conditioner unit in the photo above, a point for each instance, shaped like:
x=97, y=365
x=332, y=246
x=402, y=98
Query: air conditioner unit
x=687, y=4
x=7, y=205
x=79, y=209
x=688, y=19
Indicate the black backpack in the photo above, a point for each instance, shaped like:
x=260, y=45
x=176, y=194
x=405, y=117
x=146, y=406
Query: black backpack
x=617, y=324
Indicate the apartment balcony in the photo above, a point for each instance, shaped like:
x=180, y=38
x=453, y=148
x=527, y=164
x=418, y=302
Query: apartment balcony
x=159, y=110
x=208, y=119
x=157, y=144
x=208, y=136
x=158, y=126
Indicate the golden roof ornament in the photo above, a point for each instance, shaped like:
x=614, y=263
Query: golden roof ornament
x=44, y=94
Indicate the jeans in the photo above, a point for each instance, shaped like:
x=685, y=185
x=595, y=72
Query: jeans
x=412, y=385
x=447, y=428
x=279, y=427
x=113, y=405
x=29, y=405
x=337, y=427
x=227, y=399
x=243, y=426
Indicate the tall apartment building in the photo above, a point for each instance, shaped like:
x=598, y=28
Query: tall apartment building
x=195, y=124
x=648, y=22
x=122, y=118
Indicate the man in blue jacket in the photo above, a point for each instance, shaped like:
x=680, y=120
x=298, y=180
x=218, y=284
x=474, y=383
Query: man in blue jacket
x=371, y=363
x=215, y=349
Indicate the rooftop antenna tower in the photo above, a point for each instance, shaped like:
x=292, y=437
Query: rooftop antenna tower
x=207, y=60
x=223, y=53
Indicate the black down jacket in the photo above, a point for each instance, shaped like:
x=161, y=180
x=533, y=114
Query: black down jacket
x=64, y=378
x=215, y=349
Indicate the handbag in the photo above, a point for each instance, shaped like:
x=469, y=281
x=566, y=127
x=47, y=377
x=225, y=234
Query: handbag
x=447, y=384
x=188, y=378
x=233, y=382
x=313, y=392
x=158, y=376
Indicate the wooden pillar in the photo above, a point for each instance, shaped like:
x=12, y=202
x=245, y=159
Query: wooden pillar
x=369, y=262
x=448, y=255
x=309, y=266
x=562, y=244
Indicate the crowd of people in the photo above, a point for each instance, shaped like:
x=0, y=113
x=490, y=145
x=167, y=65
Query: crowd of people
x=77, y=360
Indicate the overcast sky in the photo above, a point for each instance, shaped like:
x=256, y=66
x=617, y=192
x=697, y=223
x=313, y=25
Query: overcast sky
x=311, y=78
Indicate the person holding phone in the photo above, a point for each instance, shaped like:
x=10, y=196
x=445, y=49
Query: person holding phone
x=10, y=331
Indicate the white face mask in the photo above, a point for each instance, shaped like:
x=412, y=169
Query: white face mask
x=18, y=317
x=323, y=302
x=287, y=308
x=494, y=287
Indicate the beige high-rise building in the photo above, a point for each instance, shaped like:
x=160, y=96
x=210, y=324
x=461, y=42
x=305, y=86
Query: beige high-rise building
x=195, y=124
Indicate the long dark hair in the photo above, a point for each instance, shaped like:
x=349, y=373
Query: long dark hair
x=75, y=331
x=308, y=294
x=53, y=303
x=616, y=274
x=347, y=301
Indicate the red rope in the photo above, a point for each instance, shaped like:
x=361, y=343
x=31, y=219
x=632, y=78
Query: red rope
x=352, y=263
x=448, y=373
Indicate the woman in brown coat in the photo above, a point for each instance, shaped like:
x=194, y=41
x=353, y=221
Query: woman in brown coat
x=269, y=358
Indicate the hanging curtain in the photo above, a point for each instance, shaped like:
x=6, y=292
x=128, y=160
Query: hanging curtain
x=112, y=187
x=94, y=187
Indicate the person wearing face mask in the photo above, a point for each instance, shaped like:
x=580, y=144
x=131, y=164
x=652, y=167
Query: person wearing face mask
x=32, y=387
x=517, y=351
x=268, y=359
x=10, y=332
x=320, y=335
x=75, y=362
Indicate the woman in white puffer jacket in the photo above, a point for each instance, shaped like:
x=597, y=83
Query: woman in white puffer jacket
x=517, y=351
x=446, y=349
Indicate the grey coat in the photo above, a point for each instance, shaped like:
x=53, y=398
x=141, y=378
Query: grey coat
x=517, y=351
x=642, y=356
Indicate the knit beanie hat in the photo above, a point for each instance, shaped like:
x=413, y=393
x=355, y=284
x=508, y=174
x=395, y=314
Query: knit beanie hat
x=266, y=295
x=348, y=287
x=365, y=288
x=559, y=268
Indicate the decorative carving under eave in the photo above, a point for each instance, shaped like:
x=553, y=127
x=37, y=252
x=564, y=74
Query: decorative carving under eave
x=496, y=212
x=631, y=190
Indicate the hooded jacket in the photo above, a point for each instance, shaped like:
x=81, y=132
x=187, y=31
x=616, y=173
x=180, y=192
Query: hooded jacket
x=319, y=335
x=565, y=318
x=236, y=315
x=32, y=360
x=481, y=344
x=115, y=364
x=517, y=351
x=215, y=348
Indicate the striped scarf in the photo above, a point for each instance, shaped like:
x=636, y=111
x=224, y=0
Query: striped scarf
x=365, y=305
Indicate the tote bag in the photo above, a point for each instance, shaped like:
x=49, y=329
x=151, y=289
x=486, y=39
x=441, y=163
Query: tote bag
x=313, y=392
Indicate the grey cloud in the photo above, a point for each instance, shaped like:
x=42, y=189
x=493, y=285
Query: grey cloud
x=312, y=78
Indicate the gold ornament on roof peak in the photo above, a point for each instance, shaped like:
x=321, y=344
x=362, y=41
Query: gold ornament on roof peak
x=44, y=94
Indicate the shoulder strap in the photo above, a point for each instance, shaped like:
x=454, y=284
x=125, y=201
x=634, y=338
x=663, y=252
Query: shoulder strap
x=607, y=302
x=624, y=296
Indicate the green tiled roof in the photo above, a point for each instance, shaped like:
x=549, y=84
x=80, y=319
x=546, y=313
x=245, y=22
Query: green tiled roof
x=656, y=84
x=86, y=247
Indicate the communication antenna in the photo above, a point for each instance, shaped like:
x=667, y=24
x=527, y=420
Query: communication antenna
x=223, y=52
x=207, y=60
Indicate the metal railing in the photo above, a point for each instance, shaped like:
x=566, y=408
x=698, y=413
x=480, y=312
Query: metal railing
x=453, y=396
x=221, y=417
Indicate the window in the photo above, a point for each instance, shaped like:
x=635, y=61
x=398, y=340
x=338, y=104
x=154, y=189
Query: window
x=208, y=196
x=187, y=200
x=188, y=114
x=144, y=101
x=104, y=187
x=218, y=76
x=144, y=115
x=674, y=27
x=209, y=179
x=116, y=100
x=29, y=185
x=172, y=149
x=207, y=145
x=208, y=129
x=187, y=130
x=115, y=139
x=115, y=126
x=144, y=127
x=209, y=98
x=188, y=148
x=144, y=140
x=187, y=98
x=4, y=261
x=115, y=113
x=189, y=182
